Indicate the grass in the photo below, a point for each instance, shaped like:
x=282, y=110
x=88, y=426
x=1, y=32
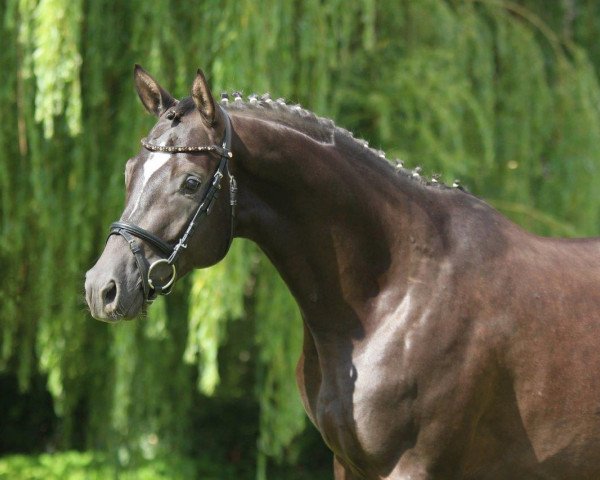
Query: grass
x=93, y=466
x=99, y=466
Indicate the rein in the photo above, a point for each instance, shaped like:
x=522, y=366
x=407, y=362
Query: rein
x=159, y=285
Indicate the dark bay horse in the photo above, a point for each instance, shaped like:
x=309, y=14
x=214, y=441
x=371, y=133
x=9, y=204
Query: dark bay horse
x=441, y=341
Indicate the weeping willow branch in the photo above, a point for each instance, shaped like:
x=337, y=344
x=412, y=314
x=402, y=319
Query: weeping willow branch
x=56, y=63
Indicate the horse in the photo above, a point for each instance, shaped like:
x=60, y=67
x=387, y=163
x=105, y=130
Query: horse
x=441, y=340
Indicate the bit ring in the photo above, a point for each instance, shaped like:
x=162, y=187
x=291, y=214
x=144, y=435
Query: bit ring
x=171, y=280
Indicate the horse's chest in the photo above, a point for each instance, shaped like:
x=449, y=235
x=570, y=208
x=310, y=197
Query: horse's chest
x=363, y=407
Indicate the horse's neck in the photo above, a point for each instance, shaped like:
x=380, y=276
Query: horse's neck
x=338, y=228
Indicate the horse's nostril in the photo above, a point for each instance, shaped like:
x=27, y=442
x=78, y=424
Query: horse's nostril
x=109, y=293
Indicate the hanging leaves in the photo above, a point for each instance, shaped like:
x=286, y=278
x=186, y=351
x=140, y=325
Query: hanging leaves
x=282, y=415
x=216, y=296
x=50, y=37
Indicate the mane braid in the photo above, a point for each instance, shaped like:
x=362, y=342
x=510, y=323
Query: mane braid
x=319, y=128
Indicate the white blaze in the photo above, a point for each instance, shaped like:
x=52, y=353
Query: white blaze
x=153, y=163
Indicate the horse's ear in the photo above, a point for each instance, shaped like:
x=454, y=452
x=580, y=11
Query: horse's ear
x=203, y=98
x=153, y=96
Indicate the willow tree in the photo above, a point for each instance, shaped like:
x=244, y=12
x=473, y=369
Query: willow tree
x=502, y=95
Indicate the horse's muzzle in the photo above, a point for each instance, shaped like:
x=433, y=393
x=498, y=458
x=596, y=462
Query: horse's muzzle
x=112, y=286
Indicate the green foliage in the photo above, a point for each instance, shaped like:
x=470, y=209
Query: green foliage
x=73, y=465
x=217, y=295
x=282, y=414
x=93, y=466
x=489, y=94
x=503, y=95
x=55, y=59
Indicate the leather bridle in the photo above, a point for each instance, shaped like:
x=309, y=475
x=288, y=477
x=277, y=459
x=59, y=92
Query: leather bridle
x=152, y=287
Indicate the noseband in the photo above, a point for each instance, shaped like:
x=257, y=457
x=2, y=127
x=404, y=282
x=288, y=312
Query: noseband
x=153, y=287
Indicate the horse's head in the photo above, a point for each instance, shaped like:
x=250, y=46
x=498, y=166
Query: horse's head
x=173, y=219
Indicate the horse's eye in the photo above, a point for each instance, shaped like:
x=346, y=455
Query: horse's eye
x=191, y=185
